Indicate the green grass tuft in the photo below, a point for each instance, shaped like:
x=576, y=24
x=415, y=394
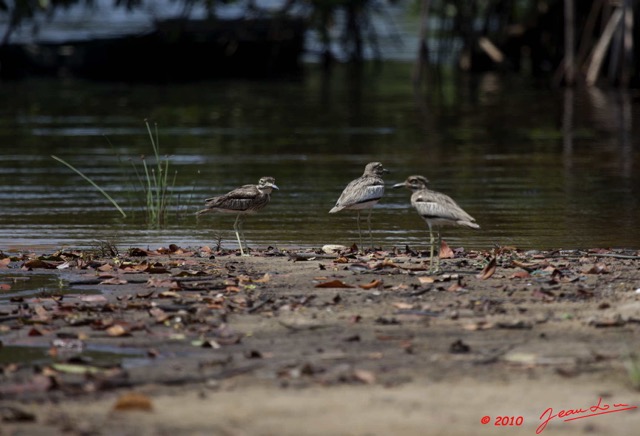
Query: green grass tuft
x=102, y=191
x=154, y=188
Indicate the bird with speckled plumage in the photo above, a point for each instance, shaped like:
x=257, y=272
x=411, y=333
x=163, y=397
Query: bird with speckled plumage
x=242, y=201
x=363, y=193
x=437, y=209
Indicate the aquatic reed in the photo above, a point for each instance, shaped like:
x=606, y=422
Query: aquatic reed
x=153, y=186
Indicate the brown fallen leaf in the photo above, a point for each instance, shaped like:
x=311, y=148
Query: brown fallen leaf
x=402, y=305
x=38, y=331
x=133, y=401
x=456, y=286
x=333, y=284
x=37, y=263
x=138, y=252
x=158, y=314
x=598, y=268
x=5, y=287
x=372, y=284
x=264, y=279
x=426, y=280
x=105, y=268
x=445, y=251
x=364, y=376
x=520, y=275
x=190, y=273
x=117, y=330
x=488, y=270
x=479, y=325
x=156, y=268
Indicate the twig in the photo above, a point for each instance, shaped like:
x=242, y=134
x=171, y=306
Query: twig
x=614, y=255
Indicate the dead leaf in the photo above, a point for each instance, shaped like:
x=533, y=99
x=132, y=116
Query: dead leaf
x=598, y=268
x=372, y=284
x=402, y=305
x=118, y=330
x=133, y=401
x=93, y=298
x=488, y=270
x=138, y=252
x=426, y=280
x=264, y=279
x=156, y=268
x=4, y=263
x=38, y=331
x=37, y=263
x=162, y=283
x=145, y=295
x=445, y=251
x=5, y=287
x=190, y=273
x=159, y=315
x=455, y=286
x=479, y=325
x=520, y=275
x=72, y=368
x=364, y=376
x=333, y=284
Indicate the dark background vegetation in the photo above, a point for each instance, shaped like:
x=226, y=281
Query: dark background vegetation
x=561, y=40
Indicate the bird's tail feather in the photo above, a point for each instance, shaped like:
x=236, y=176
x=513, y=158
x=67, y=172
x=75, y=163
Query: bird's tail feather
x=469, y=224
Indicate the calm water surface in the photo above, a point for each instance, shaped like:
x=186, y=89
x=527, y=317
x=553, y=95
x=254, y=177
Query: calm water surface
x=537, y=168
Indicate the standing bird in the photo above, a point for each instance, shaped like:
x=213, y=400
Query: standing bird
x=363, y=193
x=242, y=201
x=436, y=208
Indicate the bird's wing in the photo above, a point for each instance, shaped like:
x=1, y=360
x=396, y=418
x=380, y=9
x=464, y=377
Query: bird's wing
x=239, y=199
x=430, y=204
x=361, y=190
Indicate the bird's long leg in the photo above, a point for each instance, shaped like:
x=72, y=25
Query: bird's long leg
x=369, y=225
x=431, y=243
x=358, y=224
x=244, y=238
x=236, y=226
x=439, y=247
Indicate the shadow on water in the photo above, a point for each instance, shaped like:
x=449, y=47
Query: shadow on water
x=537, y=167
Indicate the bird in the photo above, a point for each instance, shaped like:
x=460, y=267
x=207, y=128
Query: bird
x=242, y=201
x=363, y=193
x=437, y=209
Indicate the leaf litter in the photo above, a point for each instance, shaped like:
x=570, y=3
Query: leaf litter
x=200, y=314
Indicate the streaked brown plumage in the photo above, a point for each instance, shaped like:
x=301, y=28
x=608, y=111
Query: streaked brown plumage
x=436, y=208
x=242, y=201
x=363, y=193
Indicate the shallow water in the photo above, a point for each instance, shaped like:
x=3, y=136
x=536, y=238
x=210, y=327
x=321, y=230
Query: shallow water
x=537, y=168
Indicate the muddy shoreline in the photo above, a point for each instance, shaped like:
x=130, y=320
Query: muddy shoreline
x=305, y=342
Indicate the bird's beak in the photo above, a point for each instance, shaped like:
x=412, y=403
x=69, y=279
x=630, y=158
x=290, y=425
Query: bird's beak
x=385, y=171
x=273, y=186
x=399, y=185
